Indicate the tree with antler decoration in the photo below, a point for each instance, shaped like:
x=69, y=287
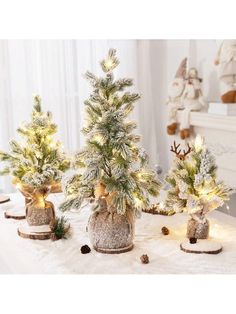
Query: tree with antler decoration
x=194, y=187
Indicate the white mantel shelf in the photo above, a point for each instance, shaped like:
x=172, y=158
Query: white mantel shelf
x=212, y=121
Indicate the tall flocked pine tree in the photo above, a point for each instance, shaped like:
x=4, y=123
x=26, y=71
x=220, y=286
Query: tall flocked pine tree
x=111, y=165
x=39, y=159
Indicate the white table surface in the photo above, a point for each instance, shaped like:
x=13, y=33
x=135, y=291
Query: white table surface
x=23, y=256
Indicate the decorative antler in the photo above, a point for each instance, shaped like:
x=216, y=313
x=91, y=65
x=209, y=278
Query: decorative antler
x=185, y=153
x=174, y=148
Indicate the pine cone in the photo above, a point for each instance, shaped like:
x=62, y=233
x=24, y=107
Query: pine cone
x=165, y=230
x=144, y=259
x=85, y=249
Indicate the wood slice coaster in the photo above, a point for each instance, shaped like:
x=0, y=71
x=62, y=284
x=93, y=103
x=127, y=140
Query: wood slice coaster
x=201, y=247
x=13, y=213
x=156, y=210
x=4, y=199
x=34, y=232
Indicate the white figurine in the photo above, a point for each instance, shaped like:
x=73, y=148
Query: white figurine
x=192, y=100
x=175, y=92
x=184, y=93
x=226, y=62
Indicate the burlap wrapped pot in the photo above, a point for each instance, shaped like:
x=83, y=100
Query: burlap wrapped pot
x=198, y=227
x=110, y=232
x=39, y=211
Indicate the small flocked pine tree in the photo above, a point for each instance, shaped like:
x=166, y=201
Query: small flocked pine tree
x=38, y=160
x=193, y=183
x=112, y=165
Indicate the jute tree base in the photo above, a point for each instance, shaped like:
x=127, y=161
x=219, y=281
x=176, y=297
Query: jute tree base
x=4, y=199
x=201, y=247
x=110, y=232
x=198, y=230
x=34, y=233
x=17, y=214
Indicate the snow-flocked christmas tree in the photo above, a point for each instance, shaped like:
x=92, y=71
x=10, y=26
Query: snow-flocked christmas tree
x=194, y=187
x=39, y=159
x=111, y=166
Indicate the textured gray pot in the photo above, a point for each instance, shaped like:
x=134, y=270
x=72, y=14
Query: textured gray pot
x=40, y=216
x=110, y=232
x=198, y=229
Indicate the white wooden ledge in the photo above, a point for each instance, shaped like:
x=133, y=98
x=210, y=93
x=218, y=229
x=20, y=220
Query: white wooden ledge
x=212, y=121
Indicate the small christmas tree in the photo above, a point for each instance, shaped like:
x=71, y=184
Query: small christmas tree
x=194, y=187
x=112, y=168
x=37, y=165
x=39, y=160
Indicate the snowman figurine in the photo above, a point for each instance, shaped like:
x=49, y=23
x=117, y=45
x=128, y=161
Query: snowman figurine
x=226, y=63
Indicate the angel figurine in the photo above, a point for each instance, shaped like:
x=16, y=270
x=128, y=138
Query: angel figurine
x=226, y=62
x=184, y=94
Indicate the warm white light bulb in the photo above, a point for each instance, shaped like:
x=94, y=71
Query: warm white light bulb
x=199, y=142
x=161, y=205
x=98, y=138
x=138, y=202
x=109, y=63
x=18, y=186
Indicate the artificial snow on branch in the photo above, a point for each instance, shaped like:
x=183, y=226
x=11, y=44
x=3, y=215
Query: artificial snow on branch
x=111, y=157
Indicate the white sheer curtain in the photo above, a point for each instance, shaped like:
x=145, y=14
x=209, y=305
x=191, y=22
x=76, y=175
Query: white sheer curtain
x=54, y=69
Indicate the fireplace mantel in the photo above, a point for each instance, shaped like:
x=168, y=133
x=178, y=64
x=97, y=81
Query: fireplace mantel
x=212, y=121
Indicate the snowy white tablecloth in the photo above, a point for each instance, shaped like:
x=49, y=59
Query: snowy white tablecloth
x=18, y=255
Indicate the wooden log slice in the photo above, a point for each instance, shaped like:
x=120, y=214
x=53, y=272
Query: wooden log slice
x=4, y=199
x=34, y=232
x=13, y=213
x=201, y=247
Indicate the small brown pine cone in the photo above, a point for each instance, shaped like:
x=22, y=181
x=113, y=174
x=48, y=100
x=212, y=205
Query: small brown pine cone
x=165, y=230
x=85, y=249
x=192, y=240
x=144, y=259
